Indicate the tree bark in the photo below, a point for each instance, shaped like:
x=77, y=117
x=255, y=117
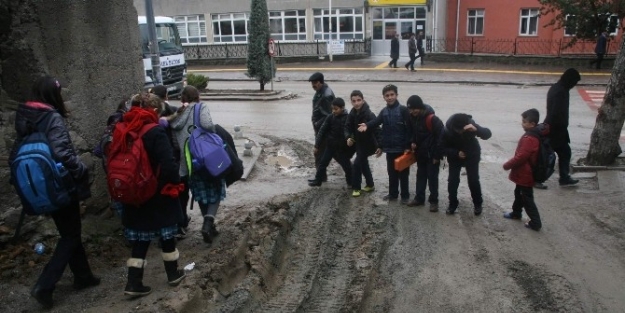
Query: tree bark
x=604, y=141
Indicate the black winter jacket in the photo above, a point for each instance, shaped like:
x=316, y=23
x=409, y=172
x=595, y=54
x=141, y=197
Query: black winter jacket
x=36, y=115
x=160, y=211
x=558, y=108
x=321, y=106
x=332, y=131
x=396, y=130
x=369, y=141
x=454, y=141
x=428, y=141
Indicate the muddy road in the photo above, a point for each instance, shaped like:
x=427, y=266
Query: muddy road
x=287, y=247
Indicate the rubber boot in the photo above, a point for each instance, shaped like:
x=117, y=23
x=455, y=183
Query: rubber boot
x=209, y=222
x=135, y=287
x=174, y=275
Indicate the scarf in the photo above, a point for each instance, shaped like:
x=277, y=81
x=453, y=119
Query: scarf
x=134, y=120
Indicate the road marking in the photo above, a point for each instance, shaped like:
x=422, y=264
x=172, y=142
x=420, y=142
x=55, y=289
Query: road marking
x=594, y=99
x=382, y=65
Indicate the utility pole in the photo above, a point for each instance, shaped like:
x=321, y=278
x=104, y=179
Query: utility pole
x=153, y=43
x=330, y=45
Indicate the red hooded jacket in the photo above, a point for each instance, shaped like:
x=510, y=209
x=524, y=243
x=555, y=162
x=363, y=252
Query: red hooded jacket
x=525, y=157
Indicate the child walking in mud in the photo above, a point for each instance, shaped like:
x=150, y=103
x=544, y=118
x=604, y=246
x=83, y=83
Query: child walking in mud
x=366, y=143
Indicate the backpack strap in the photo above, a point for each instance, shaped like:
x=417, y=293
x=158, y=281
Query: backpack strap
x=428, y=122
x=196, y=114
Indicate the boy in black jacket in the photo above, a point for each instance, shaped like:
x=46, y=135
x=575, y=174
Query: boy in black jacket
x=331, y=132
x=427, y=131
x=365, y=143
x=463, y=150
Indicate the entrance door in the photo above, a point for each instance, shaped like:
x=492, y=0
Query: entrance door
x=407, y=28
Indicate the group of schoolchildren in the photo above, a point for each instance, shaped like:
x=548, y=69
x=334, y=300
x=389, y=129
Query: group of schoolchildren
x=162, y=131
x=415, y=129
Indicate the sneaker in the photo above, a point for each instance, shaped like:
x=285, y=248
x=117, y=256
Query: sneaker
x=527, y=225
x=356, y=193
x=433, y=207
x=389, y=198
x=569, y=182
x=540, y=186
x=416, y=203
x=511, y=216
x=314, y=183
x=368, y=189
x=405, y=201
x=450, y=210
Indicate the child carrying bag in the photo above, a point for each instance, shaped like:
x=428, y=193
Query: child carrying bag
x=404, y=161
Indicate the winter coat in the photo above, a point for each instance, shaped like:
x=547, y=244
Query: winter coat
x=180, y=123
x=428, y=141
x=558, y=108
x=524, y=160
x=420, y=43
x=161, y=210
x=367, y=142
x=395, y=48
x=321, y=106
x=34, y=115
x=412, y=45
x=332, y=132
x=396, y=130
x=454, y=141
x=602, y=42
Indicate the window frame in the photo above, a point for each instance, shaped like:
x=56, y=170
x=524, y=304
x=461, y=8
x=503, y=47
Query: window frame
x=356, y=17
x=218, y=18
x=182, y=23
x=477, y=18
x=300, y=20
x=529, y=17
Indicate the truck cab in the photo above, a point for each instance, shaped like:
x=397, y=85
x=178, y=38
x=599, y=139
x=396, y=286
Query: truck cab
x=173, y=64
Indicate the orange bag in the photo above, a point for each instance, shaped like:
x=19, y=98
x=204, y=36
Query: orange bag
x=404, y=161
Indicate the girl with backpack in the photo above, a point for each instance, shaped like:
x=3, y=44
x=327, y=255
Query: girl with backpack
x=159, y=214
x=44, y=112
x=206, y=190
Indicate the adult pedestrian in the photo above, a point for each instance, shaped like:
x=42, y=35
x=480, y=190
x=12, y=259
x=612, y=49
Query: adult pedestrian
x=321, y=108
x=44, y=112
x=394, y=51
x=420, y=47
x=412, y=51
x=558, y=120
x=600, y=47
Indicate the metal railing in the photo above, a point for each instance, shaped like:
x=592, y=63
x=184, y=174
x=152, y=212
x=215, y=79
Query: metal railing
x=519, y=46
x=283, y=49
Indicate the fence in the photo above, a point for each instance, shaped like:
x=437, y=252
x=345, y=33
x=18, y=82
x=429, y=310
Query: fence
x=283, y=49
x=519, y=46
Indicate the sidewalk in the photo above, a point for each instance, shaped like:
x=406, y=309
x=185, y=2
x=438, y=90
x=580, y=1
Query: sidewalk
x=375, y=69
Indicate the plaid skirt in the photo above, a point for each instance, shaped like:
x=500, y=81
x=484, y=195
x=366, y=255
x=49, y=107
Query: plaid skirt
x=142, y=235
x=206, y=190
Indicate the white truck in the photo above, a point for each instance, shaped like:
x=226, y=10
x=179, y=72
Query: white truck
x=173, y=65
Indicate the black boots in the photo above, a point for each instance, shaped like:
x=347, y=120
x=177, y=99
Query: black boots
x=85, y=282
x=135, y=287
x=44, y=297
x=174, y=275
x=209, y=232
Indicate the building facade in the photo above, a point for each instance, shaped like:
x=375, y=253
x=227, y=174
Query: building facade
x=226, y=21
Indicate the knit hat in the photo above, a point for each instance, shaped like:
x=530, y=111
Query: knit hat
x=415, y=102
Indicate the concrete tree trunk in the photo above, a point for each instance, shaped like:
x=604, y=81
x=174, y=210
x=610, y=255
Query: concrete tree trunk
x=604, y=141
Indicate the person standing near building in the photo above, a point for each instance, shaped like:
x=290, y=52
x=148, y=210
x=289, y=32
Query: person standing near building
x=412, y=51
x=558, y=120
x=602, y=43
x=321, y=108
x=420, y=47
x=394, y=51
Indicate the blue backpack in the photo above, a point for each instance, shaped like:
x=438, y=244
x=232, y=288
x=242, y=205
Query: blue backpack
x=43, y=185
x=206, y=150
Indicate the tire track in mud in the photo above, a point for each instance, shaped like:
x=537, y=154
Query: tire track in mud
x=332, y=253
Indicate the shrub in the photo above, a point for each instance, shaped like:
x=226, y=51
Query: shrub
x=198, y=81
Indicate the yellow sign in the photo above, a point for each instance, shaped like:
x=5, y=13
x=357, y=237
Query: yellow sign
x=374, y=3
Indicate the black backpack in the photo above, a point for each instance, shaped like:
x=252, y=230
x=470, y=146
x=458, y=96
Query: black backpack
x=546, y=161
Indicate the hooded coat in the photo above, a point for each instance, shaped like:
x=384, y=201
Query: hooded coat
x=367, y=142
x=558, y=108
x=525, y=157
x=428, y=141
x=454, y=141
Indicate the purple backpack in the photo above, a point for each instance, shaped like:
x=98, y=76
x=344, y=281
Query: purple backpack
x=207, y=149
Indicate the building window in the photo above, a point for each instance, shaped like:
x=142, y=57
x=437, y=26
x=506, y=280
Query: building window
x=192, y=28
x=230, y=27
x=288, y=25
x=529, y=22
x=613, y=25
x=475, y=22
x=570, y=25
x=346, y=24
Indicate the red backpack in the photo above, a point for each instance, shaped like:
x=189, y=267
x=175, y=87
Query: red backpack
x=130, y=178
